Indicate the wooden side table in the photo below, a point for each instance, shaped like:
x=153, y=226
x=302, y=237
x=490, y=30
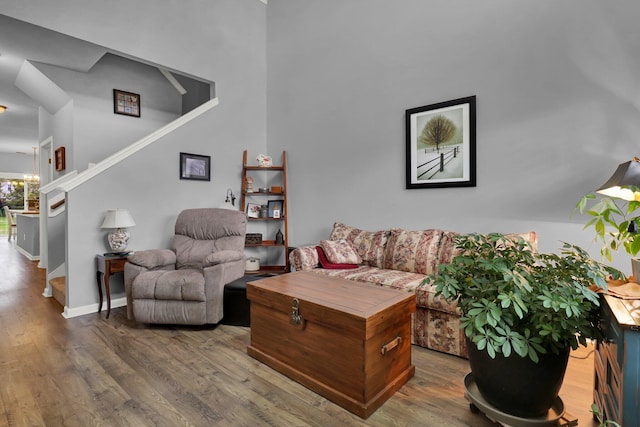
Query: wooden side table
x=107, y=265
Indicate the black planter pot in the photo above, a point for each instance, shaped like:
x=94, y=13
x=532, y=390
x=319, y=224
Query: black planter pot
x=516, y=385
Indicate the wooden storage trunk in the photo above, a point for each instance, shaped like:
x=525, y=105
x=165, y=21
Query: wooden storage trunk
x=347, y=341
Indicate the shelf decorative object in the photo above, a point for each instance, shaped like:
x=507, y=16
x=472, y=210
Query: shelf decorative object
x=253, y=239
x=264, y=161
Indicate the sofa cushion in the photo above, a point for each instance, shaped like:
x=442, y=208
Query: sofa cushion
x=304, y=258
x=377, y=276
x=426, y=297
x=447, y=249
x=369, y=244
x=412, y=251
x=325, y=263
x=340, y=252
x=176, y=285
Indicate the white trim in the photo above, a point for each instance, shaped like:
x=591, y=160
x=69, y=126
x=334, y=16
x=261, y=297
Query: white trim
x=46, y=144
x=48, y=188
x=27, y=254
x=110, y=161
x=46, y=176
x=92, y=308
x=12, y=175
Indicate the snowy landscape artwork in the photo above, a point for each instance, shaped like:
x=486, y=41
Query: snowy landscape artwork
x=195, y=166
x=441, y=144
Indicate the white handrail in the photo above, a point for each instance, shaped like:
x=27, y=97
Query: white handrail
x=53, y=185
x=87, y=174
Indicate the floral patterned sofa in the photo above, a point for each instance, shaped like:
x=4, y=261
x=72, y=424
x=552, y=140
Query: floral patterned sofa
x=401, y=259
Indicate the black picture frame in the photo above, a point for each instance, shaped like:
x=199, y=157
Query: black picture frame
x=454, y=124
x=126, y=103
x=275, y=205
x=195, y=167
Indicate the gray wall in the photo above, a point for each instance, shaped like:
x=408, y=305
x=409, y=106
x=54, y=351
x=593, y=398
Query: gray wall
x=556, y=84
x=97, y=131
x=59, y=126
x=221, y=41
x=16, y=163
x=557, y=109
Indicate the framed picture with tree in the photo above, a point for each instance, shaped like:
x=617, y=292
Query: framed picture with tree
x=441, y=144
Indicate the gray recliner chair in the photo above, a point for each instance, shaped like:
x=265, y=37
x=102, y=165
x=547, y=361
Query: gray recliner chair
x=185, y=284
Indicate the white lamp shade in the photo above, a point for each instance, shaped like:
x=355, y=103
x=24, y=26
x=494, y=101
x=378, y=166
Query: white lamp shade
x=118, y=218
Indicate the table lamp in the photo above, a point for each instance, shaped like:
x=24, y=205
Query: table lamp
x=117, y=220
x=627, y=175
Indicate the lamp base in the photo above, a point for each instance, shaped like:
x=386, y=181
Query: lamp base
x=118, y=240
x=635, y=269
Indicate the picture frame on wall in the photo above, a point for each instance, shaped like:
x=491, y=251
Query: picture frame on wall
x=441, y=144
x=195, y=167
x=59, y=159
x=126, y=103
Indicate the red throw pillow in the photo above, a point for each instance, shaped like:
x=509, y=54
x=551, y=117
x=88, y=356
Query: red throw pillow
x=324, y=262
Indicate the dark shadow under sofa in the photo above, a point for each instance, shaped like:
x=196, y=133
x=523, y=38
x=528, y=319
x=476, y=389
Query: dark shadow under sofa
x=401, y=259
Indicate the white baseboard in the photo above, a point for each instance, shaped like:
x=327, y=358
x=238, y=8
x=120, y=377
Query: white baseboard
x=27, y=254
x=92, y=308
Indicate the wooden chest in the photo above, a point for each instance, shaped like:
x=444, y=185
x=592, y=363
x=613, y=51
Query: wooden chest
x=347, y=341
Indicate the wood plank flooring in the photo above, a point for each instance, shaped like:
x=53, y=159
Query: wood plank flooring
x=90, y=371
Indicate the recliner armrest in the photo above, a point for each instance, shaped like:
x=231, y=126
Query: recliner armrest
x=222, y=257
x=153, y=259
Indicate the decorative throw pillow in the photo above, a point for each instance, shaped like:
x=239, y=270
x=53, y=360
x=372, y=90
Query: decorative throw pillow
x=412, y=251
x=325, y=263
x=368, y=244
x=340, y=252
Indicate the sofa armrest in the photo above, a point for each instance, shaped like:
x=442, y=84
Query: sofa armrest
x=221, y=257
x=153, y=259
x=304, y=258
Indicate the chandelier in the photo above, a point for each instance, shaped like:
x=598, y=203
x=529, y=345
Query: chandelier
x=34, y=178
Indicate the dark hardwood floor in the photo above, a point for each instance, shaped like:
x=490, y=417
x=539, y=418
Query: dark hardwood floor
x=90, y=371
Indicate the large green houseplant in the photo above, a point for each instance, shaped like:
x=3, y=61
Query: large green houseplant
x=518, y=303
x=614, y=222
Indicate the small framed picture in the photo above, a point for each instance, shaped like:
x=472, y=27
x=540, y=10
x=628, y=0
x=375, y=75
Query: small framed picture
x=59, y=159
x=195, y=166
x=126, y=103
x=253, y=210
x=276, y=213
x=276, y=205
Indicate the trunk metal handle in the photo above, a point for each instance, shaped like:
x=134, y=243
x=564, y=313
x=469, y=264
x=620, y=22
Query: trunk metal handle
x=390, y=345
x=296, y=317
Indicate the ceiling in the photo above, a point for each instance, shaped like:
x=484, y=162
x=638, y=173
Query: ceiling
x=20, y=41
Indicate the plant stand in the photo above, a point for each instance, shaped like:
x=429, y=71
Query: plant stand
x=556, y=417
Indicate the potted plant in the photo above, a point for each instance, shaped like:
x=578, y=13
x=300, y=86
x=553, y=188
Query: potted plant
x=619, y=215
x=599, y=417
x=522, y=309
